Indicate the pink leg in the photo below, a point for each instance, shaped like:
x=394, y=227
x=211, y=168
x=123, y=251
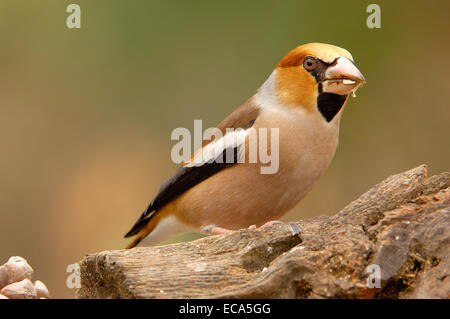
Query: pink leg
x=216, y=230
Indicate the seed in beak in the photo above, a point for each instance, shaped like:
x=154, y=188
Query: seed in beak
x=348, y=81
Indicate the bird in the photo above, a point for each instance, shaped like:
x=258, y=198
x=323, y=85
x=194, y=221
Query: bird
x=300, y=103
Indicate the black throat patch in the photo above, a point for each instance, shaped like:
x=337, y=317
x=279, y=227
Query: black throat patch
x=329, y=104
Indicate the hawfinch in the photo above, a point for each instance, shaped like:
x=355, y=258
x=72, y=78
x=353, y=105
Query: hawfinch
x=301, y=104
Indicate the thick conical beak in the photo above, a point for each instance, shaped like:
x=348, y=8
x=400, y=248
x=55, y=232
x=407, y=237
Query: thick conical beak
x=342, y=77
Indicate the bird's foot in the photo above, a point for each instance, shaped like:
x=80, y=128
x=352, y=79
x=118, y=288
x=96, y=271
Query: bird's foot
x=216, y=230
x=295, y=229
x=271, y=223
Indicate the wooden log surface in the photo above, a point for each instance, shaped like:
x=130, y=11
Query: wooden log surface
x=401, y=225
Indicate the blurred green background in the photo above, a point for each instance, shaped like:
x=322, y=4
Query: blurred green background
x=86, y=115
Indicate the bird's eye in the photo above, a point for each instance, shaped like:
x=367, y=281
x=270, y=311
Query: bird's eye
x=309, y=63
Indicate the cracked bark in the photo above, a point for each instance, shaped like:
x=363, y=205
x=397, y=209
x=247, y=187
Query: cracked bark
x=402, y=225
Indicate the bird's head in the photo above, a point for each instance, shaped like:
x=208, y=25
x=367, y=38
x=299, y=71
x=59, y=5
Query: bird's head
x=317, y=76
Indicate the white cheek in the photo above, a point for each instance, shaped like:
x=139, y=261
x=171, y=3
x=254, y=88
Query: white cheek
x=267, y=97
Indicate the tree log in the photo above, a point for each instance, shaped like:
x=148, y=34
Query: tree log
x=401, y=225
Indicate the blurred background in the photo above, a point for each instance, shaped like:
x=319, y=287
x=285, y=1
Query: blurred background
x=86, y=114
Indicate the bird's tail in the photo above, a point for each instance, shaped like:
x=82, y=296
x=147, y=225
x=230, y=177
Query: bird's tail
x=135, y=242
x=146, y=229
x=142, y=227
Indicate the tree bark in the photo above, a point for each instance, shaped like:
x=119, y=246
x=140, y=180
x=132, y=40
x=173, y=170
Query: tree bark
x=401, y=225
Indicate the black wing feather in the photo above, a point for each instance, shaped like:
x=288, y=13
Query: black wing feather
x=183, y=179
x=187, y=177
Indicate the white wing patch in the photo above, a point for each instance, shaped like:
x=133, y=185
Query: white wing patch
x=213, y=152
